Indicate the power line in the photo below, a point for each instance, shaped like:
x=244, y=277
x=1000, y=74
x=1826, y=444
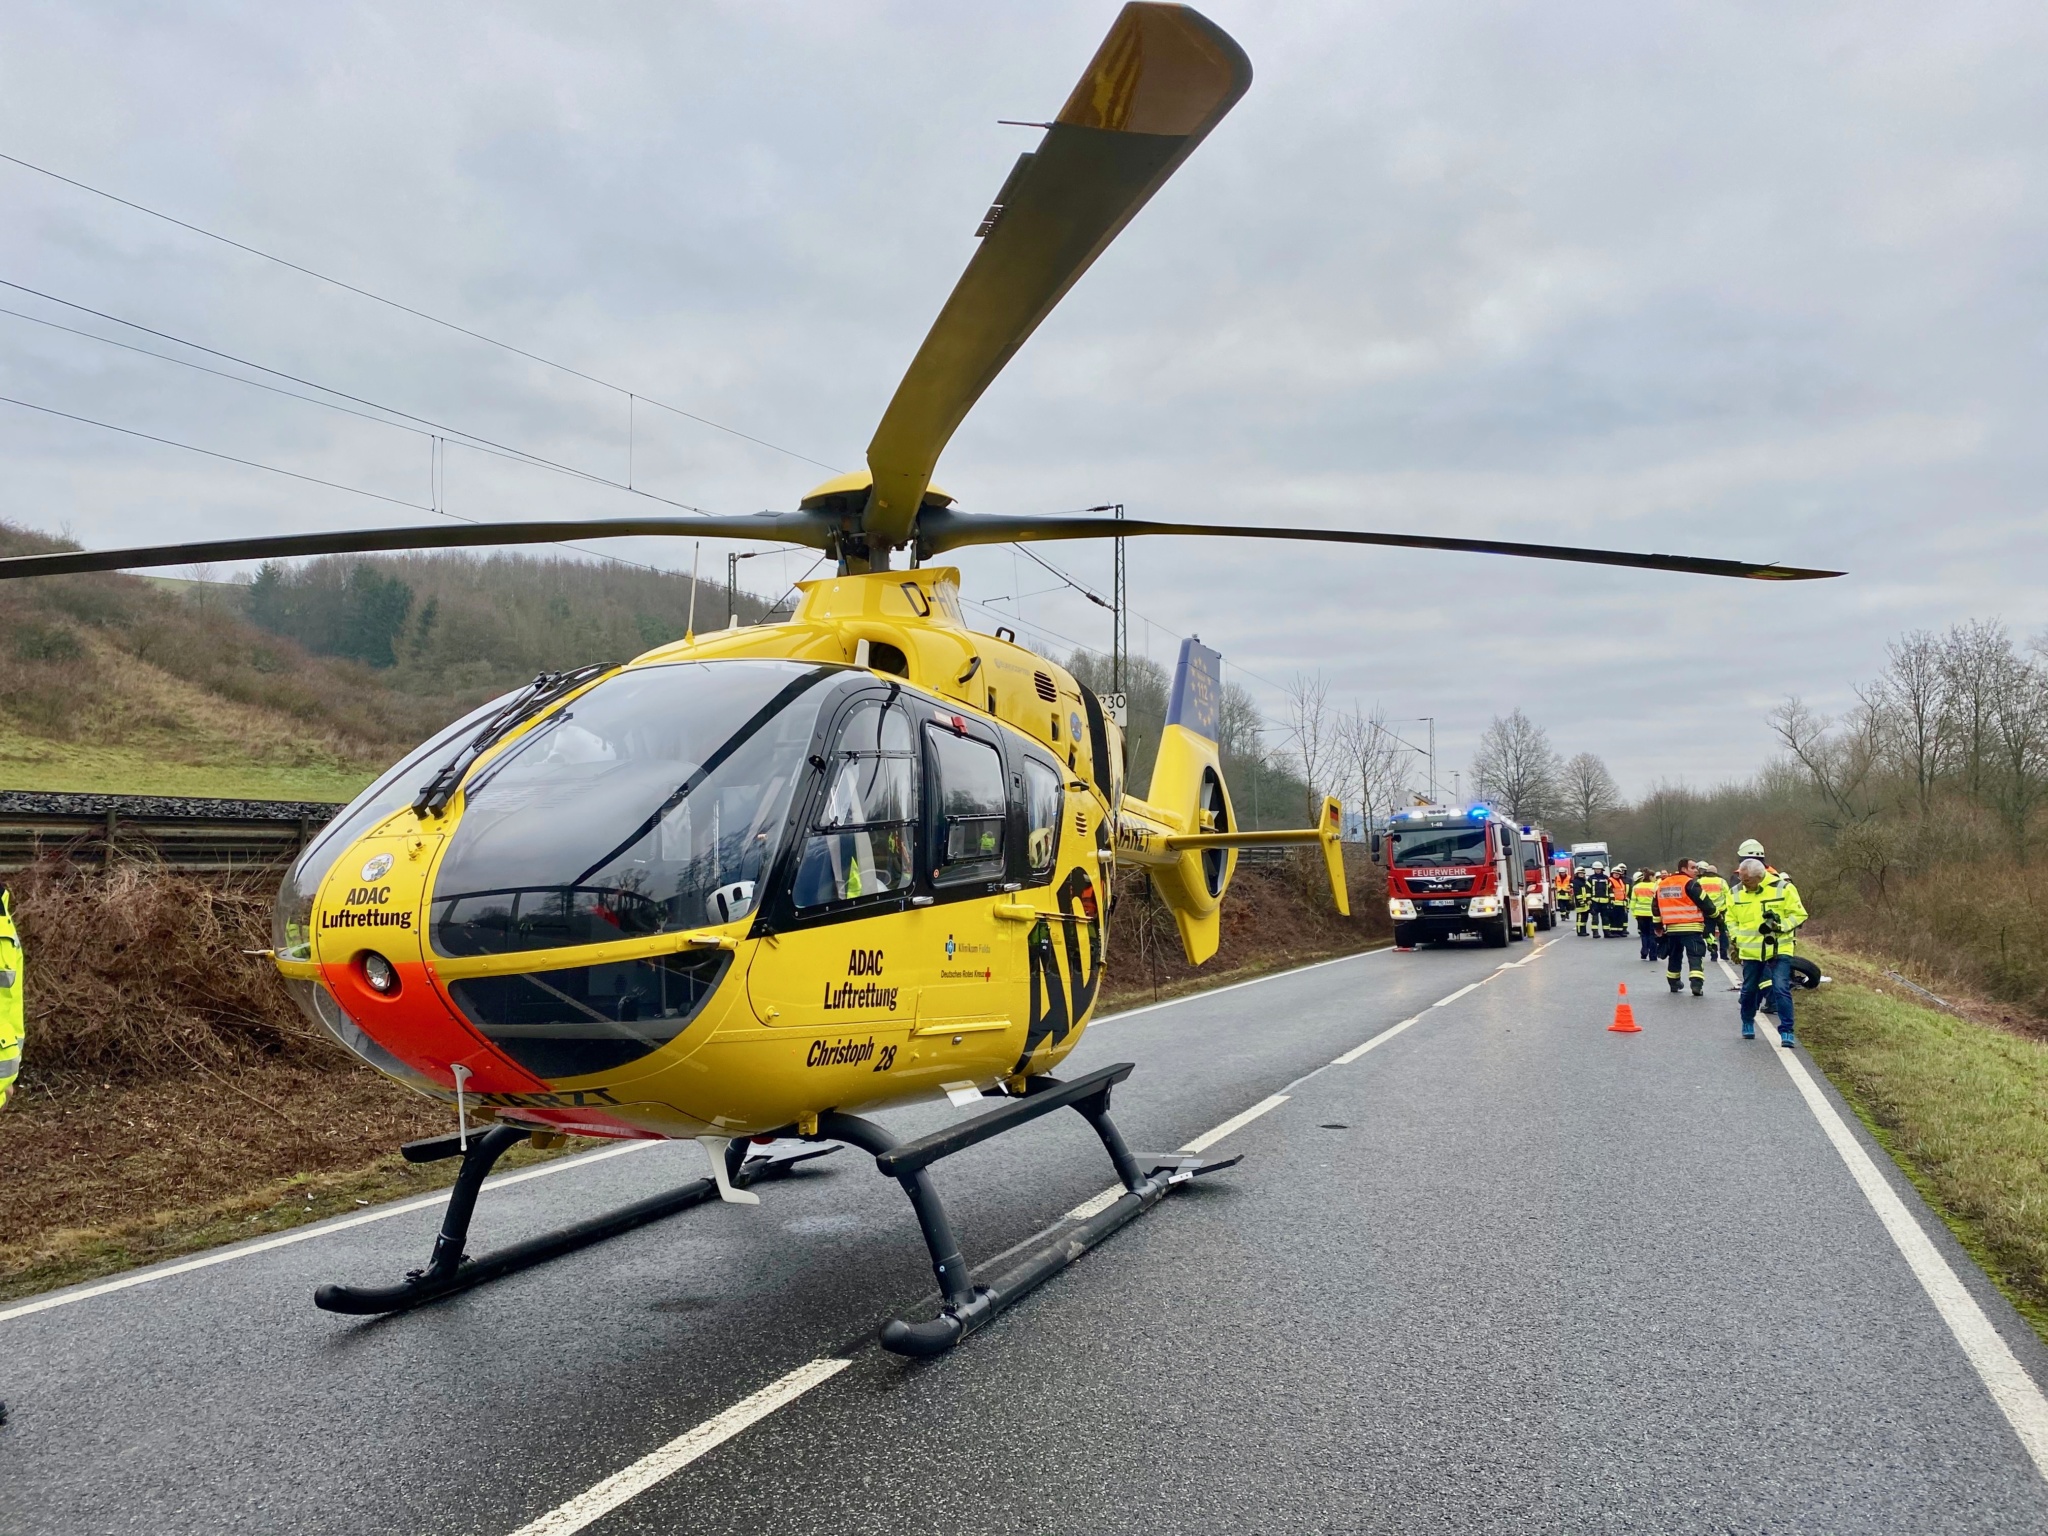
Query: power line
x=171, y=442
x=416, y=313
x=333, y=485
x=1098, y=601
x=218, y=373
x=473, y=439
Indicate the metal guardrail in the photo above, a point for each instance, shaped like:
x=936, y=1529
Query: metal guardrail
x=191, y=833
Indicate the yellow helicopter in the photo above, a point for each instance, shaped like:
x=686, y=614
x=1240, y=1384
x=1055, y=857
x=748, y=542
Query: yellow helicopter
x=753, y=884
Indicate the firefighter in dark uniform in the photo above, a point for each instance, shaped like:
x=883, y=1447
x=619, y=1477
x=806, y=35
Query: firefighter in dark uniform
x=1617, y=902
x=1642, y=906
x=1683, y=912
x=1583, y=882
x=1716, y=887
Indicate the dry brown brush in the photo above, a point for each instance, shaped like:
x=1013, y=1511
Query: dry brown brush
x=138, y=973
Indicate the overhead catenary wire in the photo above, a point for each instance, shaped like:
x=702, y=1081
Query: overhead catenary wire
x=421, y=314
x=470, y=439
x=293, y=474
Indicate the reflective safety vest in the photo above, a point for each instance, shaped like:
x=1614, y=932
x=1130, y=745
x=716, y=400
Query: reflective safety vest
x=1617, y=889
x=11, y=993
x=1675, y=910
x=1642, y=897
x=1746, y=910
x=1715, y=889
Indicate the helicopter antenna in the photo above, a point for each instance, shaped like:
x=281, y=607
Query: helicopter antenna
x=690, y=624
x=1120, y=620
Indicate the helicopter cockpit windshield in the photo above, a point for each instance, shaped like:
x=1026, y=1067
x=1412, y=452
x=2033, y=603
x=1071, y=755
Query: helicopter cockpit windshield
x=654, y=802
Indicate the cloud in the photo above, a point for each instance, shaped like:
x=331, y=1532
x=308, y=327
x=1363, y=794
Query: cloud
x=1734, y=280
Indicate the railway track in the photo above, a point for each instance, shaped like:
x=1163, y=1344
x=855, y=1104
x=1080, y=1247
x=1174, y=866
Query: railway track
x=189, y=832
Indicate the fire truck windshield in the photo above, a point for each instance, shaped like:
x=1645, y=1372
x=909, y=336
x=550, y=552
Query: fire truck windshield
x=1439, y=845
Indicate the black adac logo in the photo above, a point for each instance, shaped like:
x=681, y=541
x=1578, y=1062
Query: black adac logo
x=1063, y=979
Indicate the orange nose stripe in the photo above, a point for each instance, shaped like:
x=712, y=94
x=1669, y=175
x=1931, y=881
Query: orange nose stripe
x=421, y=1028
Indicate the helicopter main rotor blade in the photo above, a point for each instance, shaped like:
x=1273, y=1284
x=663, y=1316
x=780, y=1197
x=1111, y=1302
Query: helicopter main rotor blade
x=940, y=530
x=807, y=528
x=1163, y=77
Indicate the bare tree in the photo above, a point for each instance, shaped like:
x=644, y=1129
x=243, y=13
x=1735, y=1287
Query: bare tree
x=1838, y=757
x=1973, y=656
x=1238, y=724
x=1588, y=793
x=1515, y=767
x=2019, y=719
x=1310, y=725
x=1377, y=760
x=1918, y=729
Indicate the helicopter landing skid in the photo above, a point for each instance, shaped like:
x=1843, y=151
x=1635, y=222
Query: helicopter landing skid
x=450, y=1270
x=967, y=1306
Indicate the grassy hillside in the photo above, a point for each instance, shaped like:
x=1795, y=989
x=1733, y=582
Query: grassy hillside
x=305, y=683
x=114, y=683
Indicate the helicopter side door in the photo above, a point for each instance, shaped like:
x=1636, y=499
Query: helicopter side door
x=1061, y=867
x=881, y=942
x=966, y=923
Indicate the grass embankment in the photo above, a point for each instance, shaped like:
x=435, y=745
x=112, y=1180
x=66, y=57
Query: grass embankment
x=175, y=1099
x=1961, y=1103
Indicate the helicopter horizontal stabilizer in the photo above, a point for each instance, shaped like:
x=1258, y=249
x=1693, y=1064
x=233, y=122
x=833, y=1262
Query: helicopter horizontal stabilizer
x=1326, y=834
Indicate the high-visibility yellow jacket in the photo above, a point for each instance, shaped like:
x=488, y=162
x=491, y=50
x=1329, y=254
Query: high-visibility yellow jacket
x=1747, y=909
x=11, y=991
x=1642, y=897
x=1716, y=891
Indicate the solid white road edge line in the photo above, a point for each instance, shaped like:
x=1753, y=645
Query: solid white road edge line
x=2015, y=1392
x=317, y=1229
x=593, y=1505
x=1445, y=1002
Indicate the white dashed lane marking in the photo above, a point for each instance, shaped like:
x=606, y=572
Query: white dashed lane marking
x=597, y=1502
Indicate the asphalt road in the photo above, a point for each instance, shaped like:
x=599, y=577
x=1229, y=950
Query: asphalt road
x=1505, y=1271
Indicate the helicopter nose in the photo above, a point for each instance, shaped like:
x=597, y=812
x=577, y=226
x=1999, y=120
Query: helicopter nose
x=393, y=998
x=369, y=928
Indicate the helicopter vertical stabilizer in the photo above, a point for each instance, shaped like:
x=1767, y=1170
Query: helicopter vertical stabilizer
x=1183, y=832
x=1186, y=798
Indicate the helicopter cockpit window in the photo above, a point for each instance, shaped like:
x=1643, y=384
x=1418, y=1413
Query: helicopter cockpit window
x=860, y=843
x=971, y=808
x=292, y=923
x=653, y=803
x=1042, y=786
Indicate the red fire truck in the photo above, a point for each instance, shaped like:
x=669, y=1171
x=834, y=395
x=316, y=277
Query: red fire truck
x=1453, y=870
x=1540, y=895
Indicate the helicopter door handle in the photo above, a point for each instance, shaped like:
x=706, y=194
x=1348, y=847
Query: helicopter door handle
x=1016, y=912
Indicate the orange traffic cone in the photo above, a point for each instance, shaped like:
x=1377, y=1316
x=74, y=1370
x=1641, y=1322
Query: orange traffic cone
x=1624, y=1016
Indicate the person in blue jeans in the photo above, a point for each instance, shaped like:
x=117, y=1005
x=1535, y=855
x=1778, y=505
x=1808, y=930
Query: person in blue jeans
x=1764, y=914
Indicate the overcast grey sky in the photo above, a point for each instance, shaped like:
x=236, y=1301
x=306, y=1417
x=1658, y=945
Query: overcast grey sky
x=1754, y=280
